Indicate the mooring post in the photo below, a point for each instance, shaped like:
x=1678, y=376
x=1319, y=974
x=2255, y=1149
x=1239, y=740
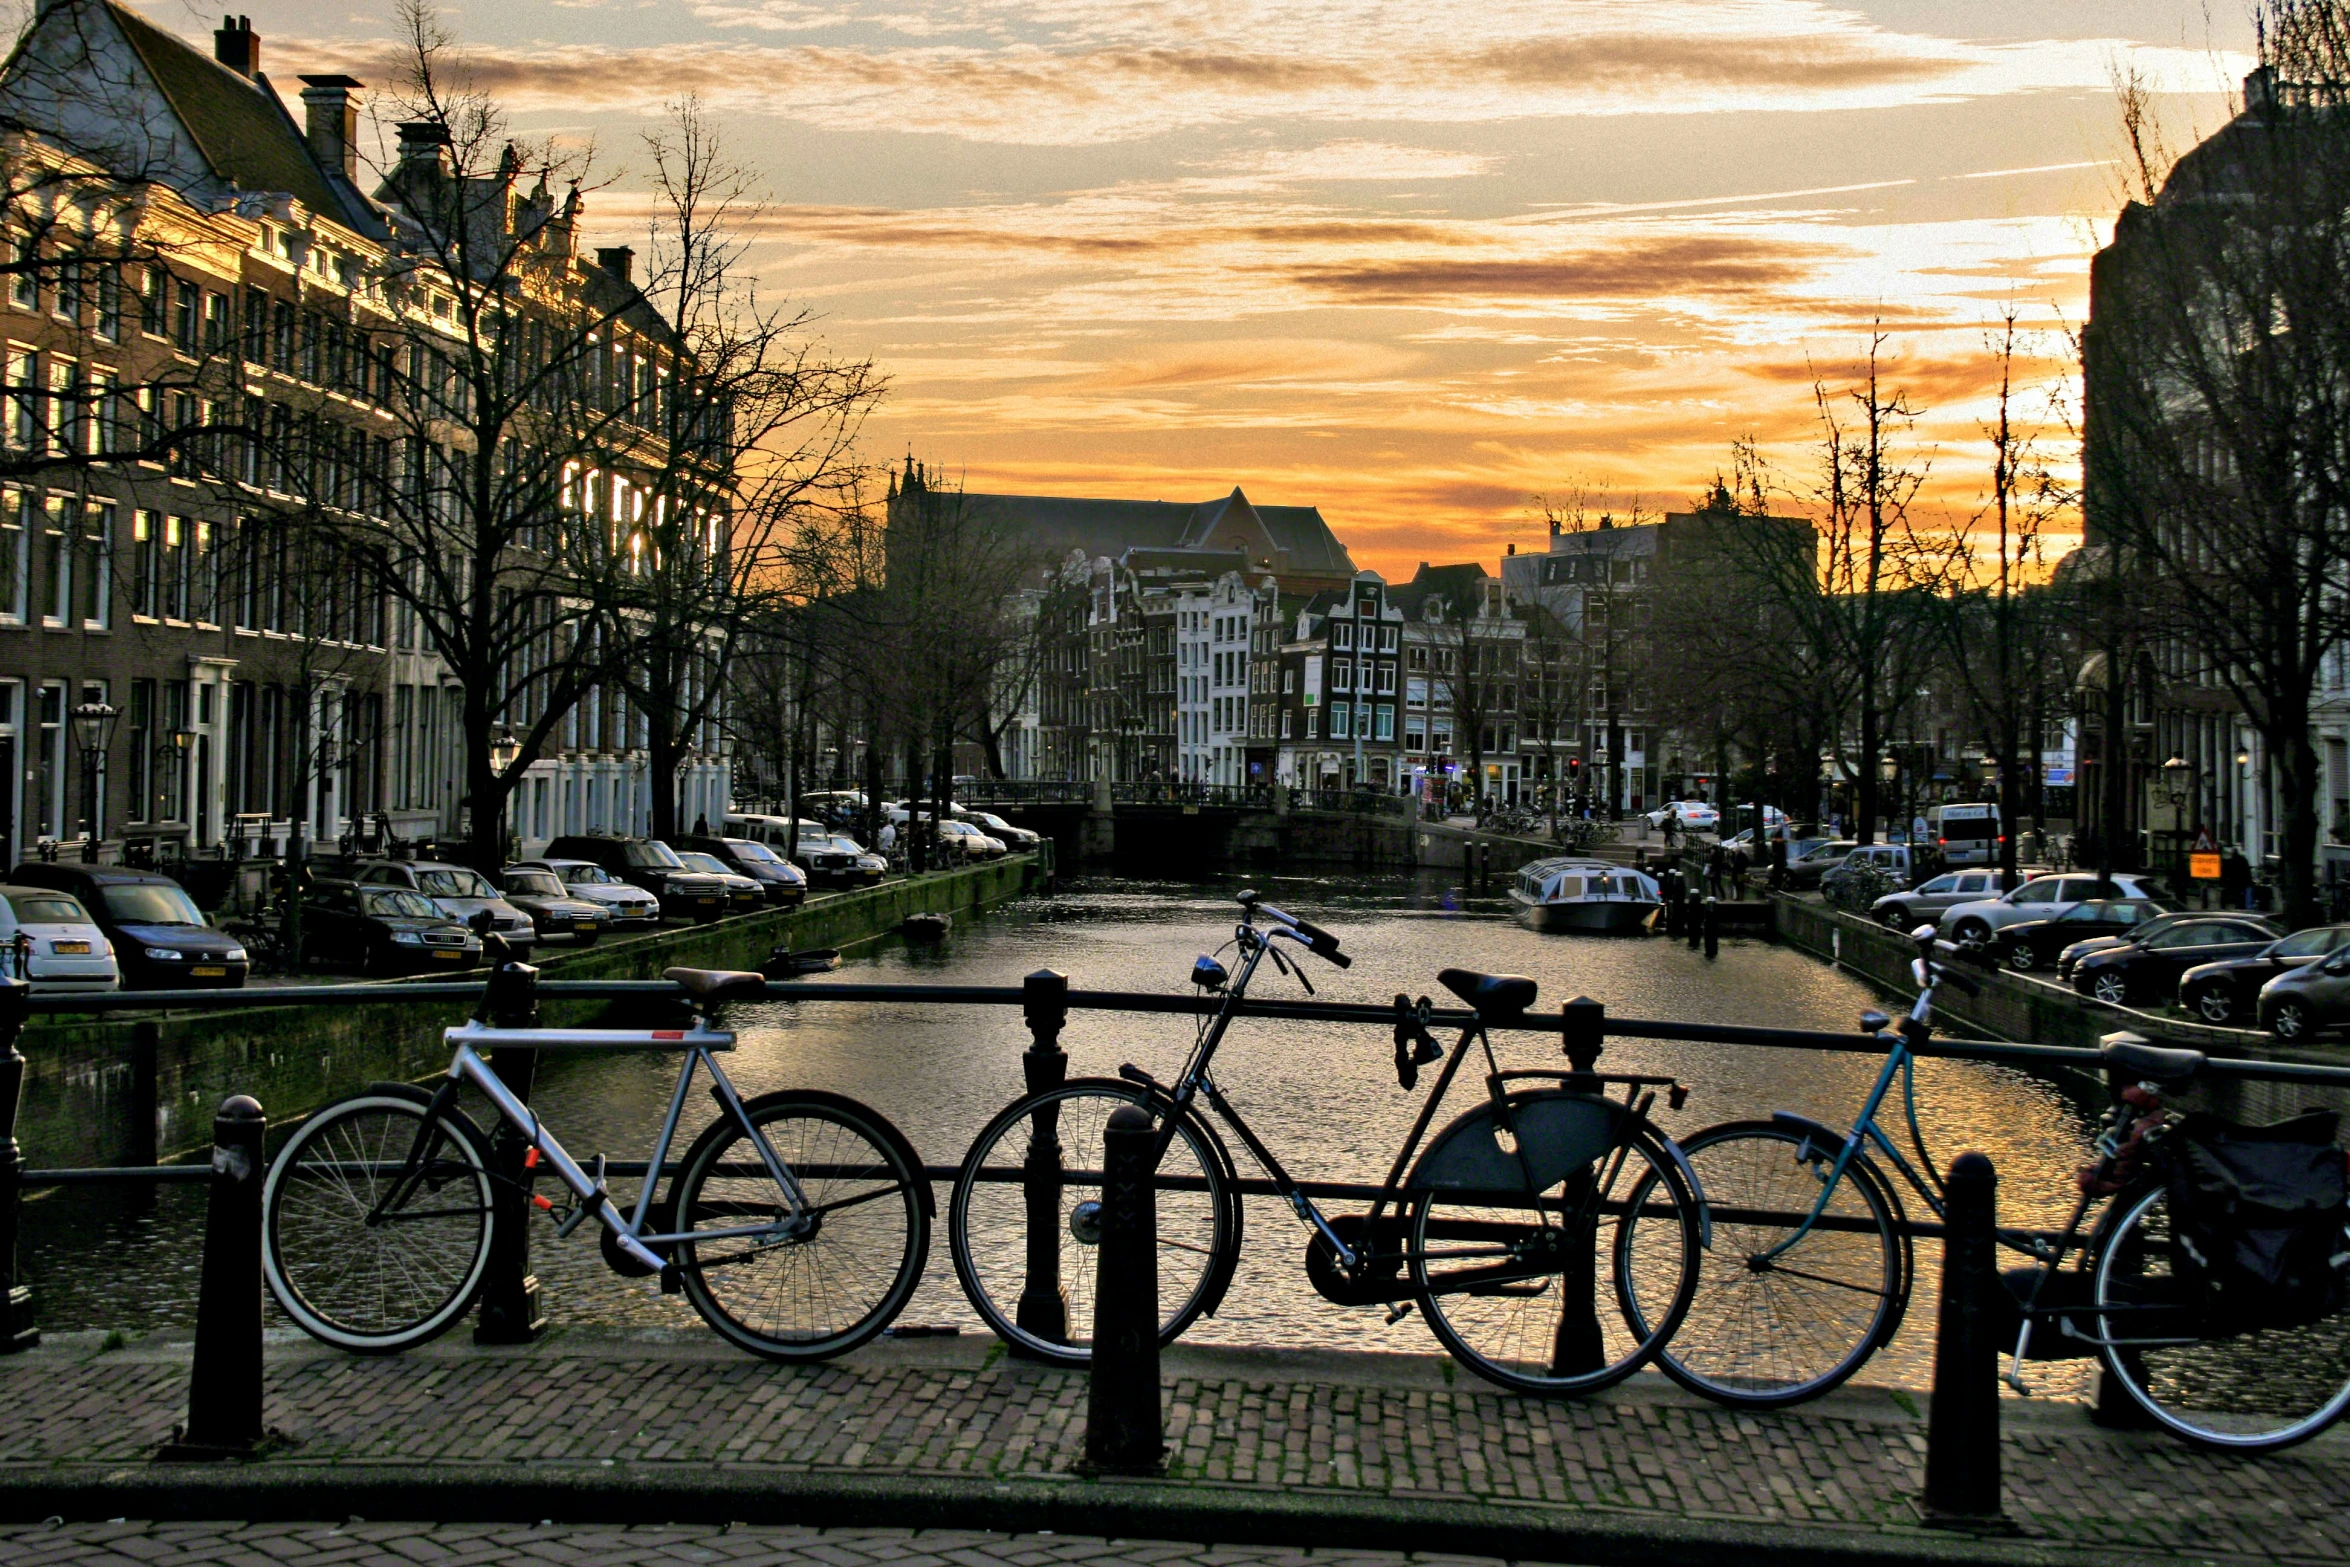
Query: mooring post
x=510, y=1295
x=1043, y=1309
x=1123, y=1432
x=1713, y=929
x=1962, y=1428
x=1692, y=918
x=224, y=1382
x=16, y=1300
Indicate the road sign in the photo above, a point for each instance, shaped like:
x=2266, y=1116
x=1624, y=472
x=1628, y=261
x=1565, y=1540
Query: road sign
x=2203, y=867
x=2204, y=844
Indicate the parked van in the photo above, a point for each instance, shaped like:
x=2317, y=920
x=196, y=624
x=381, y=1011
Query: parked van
x=1965, y=834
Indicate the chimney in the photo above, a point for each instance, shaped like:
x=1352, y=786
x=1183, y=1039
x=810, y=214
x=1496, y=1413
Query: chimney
x=618, y=260
x=236, y=46
x=421, y=142
x=2260, y=90
x=331, y=122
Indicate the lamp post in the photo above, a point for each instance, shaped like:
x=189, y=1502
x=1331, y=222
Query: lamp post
x=504, y=751
x=93, y=735
x=1889, y=771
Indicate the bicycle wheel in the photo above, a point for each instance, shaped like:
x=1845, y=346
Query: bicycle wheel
x=2249, y=1392
x=372, y=1283
x=818, y=1291
x=1762, y=1334
x=1512, y=1295
x=989, y=1218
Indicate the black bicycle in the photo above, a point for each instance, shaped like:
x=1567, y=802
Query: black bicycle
x=1492, y=1230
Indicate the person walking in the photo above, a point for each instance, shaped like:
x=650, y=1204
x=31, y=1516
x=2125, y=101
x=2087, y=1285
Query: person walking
x=1717, y=865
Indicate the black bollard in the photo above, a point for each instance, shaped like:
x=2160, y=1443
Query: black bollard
x=1692, y=918
x=16, y=1300
x=1713, y=929
x=1043, y=1308
x=510, y=1293
x=1123, y=1433
x=1962, y=1429
x=1669, y=887
x=224, y=1383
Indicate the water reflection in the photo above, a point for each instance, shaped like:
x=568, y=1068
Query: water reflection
x=1322, y=1095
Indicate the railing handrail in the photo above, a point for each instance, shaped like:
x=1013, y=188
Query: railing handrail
x=1369, y=1014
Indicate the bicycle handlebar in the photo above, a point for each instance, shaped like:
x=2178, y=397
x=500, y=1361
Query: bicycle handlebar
x=1317, y=940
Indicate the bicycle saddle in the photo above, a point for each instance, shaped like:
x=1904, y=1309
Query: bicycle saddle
x=1493, y=995
x=2133, y=1054
x=716, y=984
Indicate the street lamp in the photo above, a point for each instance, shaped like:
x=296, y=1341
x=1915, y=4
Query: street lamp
x=503, y=752
x=93, y=734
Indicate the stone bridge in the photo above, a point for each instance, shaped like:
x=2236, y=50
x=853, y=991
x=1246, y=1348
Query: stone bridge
x=1157, y=825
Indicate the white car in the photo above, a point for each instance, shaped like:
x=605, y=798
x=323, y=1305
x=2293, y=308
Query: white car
x=1695, y=815
x=970, y=842
x=49, y=938
x=2041, y=898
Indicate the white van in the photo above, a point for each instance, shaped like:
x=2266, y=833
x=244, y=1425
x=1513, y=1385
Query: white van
x=1965, y=834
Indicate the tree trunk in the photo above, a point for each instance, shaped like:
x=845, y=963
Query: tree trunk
x=872, y=777
x=2296, y=762
x=917, y=840
x=1864, y=776
x=2114, y=786
x=662, y=753
x=2011, y=795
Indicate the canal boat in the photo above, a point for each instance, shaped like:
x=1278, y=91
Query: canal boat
x=1586, y=897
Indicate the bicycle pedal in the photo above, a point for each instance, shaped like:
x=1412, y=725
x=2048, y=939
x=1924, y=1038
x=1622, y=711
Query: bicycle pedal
x=1398, y=1312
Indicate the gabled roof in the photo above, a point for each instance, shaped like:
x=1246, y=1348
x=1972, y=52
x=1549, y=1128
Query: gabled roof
x=1053, y=525
x=1456, y=585
x=241, y=127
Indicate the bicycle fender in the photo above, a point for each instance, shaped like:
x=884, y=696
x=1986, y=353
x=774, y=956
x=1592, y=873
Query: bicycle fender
x=1821, y=1136
x=881, y=1123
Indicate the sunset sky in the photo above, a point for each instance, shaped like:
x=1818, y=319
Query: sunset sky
x=1411, y=263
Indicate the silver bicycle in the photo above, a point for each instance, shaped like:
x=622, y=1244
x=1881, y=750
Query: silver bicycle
x=797, y=1223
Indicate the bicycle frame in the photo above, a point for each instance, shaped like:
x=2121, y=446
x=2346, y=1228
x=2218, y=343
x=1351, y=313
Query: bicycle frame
x=699, y=1043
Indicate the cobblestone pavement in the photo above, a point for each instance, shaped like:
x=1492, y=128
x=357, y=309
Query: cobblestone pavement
x=1351, y=1430
x=135, y=1544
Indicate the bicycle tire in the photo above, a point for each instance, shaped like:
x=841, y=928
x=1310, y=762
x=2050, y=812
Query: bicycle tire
x=988, y=1220
x=1739, y=1346
x=336, y=1276
x=2252, y=1392
x=849, y=1161
x=1503, y=1330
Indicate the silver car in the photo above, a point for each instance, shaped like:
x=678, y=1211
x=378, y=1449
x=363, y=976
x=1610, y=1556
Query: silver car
x=2041, y=898
x=457, y=891
x=1905, y=911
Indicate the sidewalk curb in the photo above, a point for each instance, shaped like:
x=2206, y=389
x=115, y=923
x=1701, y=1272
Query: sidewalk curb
x=1125, y=1509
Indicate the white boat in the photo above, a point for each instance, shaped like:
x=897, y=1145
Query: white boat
x=1590, y=897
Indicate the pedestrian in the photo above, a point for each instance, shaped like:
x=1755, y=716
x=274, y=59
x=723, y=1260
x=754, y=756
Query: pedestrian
x=701, y=826
x=1717, y=864
x=1672, y=824
x=889, y=837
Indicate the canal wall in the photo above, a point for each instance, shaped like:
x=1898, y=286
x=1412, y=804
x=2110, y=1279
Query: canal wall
x=2028, y=1009
x=108, y=1091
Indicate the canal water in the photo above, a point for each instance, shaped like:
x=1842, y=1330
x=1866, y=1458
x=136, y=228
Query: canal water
x=1323, y=1096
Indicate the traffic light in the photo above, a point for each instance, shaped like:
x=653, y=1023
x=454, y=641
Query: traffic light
x=1574, y=768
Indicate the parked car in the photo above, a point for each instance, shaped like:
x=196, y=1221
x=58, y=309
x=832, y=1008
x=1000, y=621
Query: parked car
x=838, y=860
x=630, y=908
x=2070, y=957
x=161, y=939
x=1696, y=815
x=744, y=895
x=50, y=940
x=383, y=930
x=1817, y=858
x=2307, y=999
x=967, y=841
x=1889, y=859
x=781, y=883
x=2043, y=897
x=2148, y=971
x=1017, y=840
x=2037, y=943
x=651, y=865
x=554, y=913
x=1907, y=910
x=2227, y=993
x=460, y=892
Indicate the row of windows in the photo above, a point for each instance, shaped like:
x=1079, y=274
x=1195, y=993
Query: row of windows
x=1376, y=639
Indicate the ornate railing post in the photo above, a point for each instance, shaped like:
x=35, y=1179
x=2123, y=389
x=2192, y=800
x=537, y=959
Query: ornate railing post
x=16, y=1300
x=1044, y=1306
x=510, y=1293
x=1576, y=1345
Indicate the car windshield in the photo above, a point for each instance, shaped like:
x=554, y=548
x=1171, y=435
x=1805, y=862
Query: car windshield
x=534, y=884
x=589, y=875
x=2305, y=943
x=708, y=863
x=649, y=855
x=752, y=853
x=397, y=903
x=150, y=903
x=844, y=845
x=453, y=884
x=46, y=908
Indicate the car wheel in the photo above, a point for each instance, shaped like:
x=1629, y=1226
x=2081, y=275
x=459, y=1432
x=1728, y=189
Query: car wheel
x=2214, y=1005
x=1972, y=933
x=1896, y=918
x=2021, y=957
x=2110, y=988
x=2290, y=1020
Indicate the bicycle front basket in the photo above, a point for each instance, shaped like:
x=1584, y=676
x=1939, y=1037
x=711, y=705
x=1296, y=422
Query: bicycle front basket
x=2257, y=1217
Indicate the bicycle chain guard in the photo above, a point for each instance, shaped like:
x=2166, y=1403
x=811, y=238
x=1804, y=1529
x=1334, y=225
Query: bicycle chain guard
x=1381, y=1277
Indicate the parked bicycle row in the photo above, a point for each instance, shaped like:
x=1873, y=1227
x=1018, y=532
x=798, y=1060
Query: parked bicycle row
x=1553, y=1237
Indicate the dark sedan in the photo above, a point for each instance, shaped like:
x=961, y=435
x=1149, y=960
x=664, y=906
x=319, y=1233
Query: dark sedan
x=2149, y=970
x=2068, y=959
x=383, y=930
x=2227, y=993
x=780, y=883
x=161, y=939
x=553, y=912
x=2036, y=943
